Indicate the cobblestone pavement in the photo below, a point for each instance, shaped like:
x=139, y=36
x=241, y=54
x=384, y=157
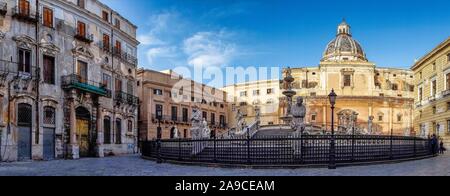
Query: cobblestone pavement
x=133, y=165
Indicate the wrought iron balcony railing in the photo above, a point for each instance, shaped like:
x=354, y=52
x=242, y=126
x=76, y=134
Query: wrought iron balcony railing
x=126, y=98
x=446, y=93
x=25, y=14
x=3, y=8
x=125, y=56
x=84, y=37
x=78, y=82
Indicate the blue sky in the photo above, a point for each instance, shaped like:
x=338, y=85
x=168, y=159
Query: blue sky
x=281, y=32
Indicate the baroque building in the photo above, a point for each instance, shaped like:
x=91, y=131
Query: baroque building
x=67, y=80
x=372, y=99
x=169, y=100
x=432, y=101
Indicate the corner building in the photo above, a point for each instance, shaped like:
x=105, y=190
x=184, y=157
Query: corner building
x=68, y=80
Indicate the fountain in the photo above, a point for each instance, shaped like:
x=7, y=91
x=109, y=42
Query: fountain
x=289, y=93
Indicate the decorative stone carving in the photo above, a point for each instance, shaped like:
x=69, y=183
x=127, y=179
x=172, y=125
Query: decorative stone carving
x=83, y=51
x=2, y=36
x=199, y=129
x=370, y=125
x=298, y=112
x=24, y=42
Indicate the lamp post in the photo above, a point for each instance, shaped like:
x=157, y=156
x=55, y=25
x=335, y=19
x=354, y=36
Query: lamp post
x=332, y=96
x=158, y=135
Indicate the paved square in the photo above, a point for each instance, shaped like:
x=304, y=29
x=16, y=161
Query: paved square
x=133, y=165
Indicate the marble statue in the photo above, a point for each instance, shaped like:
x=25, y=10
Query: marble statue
x=370, y=125
x=176, y=135
x=298, y=112
x=240, y=122
x=199, y=128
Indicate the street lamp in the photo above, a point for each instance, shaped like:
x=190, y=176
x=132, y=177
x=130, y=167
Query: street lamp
x=158, y=135
x=332, y=96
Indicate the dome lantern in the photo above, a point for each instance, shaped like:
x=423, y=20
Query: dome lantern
x=344, y=47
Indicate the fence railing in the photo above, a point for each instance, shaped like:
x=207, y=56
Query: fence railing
x=288, y=151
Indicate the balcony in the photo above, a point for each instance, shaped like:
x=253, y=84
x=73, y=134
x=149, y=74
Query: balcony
x=77, y=82
x=446, y=93
x=87, y=38
x=125, y=98
x=125, y=56
x=26, y=15
x=3, y=8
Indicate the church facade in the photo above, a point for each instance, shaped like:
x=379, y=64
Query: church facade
x=375, y=100
x=367, y=94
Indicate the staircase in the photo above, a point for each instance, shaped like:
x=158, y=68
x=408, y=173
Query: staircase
x=274, y=132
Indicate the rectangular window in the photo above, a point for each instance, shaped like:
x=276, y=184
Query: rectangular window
x=174, y=113
x=118, y=85
x=81, y=3
x=24, y=62
x=399, y=118
x=347, y=80
x=420, y=94
x=158, y=92
x=105, y=16
x=270, y=91
x=222, y=120
x=213, y=119
x=82, y=71
x=448, y=126
x=117, y=23
x=380, y=118
x=205, y=115
x=81, y=29
x=48, y=17
x=158, y=111
x=313, y=117
x=448, y=58
x=395, y=87
x=106, y=42
x=49, y=69
x=118, y=131
x=24, y=7
x=130, y=89
x=130, y=126
x=448, y=81
x=118, y=47
x=256, y=93
x=433, y=88
x=107, y=81
x=243, y=94
x=434, y=109
x=185, y=115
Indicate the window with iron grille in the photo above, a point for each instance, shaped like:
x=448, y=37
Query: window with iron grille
x=49, y=115
x=24, y=117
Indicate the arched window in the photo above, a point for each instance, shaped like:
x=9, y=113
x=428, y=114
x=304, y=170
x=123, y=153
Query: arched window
x=49, y=115
x=107, y=130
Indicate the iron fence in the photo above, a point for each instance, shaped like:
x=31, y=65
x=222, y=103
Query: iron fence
x=288, y=150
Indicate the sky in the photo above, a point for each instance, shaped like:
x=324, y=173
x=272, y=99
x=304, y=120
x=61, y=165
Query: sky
x=280, y=33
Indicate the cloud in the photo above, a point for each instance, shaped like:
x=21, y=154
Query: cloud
x=210, y=48
x=161, y=52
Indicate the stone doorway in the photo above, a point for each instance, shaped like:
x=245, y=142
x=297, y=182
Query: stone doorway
x=84, y=137
x=24, y=122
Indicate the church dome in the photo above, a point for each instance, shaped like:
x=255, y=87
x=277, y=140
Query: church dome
x=344, y=47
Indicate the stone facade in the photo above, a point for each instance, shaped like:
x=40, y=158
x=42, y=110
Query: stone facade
x=66, y=92
x=177, y=98
x=432, y=85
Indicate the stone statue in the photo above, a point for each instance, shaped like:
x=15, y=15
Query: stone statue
x=298, y=112
x=240, y=122
x=197, y=124
x=206, y=132
x=176, y=135
x=370, y=125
